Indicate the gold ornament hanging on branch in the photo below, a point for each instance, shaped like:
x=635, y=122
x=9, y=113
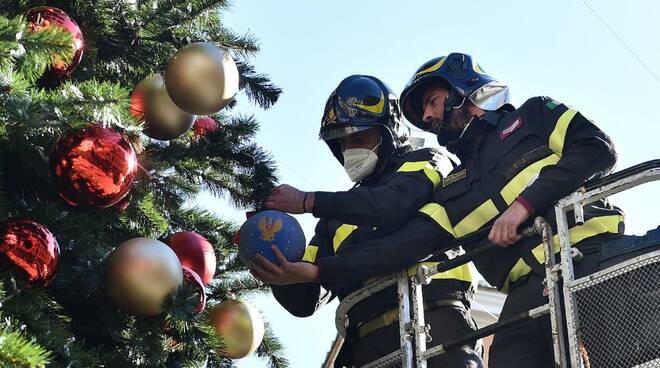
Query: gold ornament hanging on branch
x=239, y=326
x=201, y=78
x=141, y=274
x=163, y=119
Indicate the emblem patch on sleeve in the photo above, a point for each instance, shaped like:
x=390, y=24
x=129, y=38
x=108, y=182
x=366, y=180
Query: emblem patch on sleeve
x=452, y=178
x=512, y=127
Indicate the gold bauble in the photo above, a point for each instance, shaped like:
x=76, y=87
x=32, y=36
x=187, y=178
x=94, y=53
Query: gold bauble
x=141, y=274
x=201, y=78
x=151, y=103
x=239, y=326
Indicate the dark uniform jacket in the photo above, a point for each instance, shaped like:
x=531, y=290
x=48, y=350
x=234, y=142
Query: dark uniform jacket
x=536, y=154
x=377, y=207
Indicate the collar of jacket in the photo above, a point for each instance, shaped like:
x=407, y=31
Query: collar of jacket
x=493, y=117
x=393, y=159
x=473, y=135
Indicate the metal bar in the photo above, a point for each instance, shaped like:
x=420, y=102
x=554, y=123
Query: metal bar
x=472, y=254
x=636, y=169
x=595, y=193
x=567, y=276
x=419, y=324
x=341, y=315
x=552, y=277
x=578, y=213
x=334, y=352
x=389, y=357
x=404, y=320
x=488, y=330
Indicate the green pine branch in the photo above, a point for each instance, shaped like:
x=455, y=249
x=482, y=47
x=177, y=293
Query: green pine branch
x=71, y=317
x=45, y=47
x=272, y=348
x=257, y=87
x=17, y=351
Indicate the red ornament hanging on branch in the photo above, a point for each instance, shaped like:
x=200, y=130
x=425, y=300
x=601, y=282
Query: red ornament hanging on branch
x=42, y=17
x=204, y=125
x=191, y=277
x=195, y=252
x=93, y=167
x=29, y=246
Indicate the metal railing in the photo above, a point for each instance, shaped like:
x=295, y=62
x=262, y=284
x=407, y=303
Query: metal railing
x=582, y=318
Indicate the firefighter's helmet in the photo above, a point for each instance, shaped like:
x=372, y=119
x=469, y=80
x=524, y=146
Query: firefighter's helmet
x=361, y=102
x=466, y=80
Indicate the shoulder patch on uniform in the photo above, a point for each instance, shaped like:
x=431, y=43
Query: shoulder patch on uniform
x=452, y=178
x=511, y=127
x=551, y=104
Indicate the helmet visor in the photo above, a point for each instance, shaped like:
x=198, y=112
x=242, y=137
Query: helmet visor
x=343, y=131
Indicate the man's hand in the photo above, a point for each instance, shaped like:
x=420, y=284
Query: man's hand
x=505, y=229
x=284, y=274
x=289, y=199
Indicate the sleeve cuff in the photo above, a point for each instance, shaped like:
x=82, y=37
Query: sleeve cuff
x=525, y=203
x=322, y=203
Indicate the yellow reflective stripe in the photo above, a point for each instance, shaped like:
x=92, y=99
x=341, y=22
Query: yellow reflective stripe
x=591, y=227
x=439, y=215
x=426, y=166
x=519, y=270
x=476, y=219
x=433, y=67
x=341, y=234
x=377, y=108
x=519, y=182
x=310, y=253
x=556, y=141
x=463, y=272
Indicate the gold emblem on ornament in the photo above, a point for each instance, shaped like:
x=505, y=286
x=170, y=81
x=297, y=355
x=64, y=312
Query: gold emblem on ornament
x=269, y=227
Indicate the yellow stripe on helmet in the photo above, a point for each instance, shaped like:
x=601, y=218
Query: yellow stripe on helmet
x=377, y=108
x=433, y=67
x=477, y=68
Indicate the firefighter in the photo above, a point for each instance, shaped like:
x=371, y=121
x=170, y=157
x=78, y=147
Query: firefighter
x=363, y=127
x=515, y=163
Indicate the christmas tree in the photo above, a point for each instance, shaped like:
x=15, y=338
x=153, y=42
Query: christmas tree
x=89, y=162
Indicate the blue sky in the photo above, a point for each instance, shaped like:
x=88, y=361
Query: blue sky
x=555, y=48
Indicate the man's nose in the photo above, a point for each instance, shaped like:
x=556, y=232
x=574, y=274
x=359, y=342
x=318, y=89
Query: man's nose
x=427, y=116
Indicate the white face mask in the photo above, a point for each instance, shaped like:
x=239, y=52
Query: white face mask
x=360, y=162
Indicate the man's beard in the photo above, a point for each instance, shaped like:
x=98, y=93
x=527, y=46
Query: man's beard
x=450, y=136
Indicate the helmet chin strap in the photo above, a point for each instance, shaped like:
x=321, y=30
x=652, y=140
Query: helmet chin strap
x=452, y=102
x=466, y=126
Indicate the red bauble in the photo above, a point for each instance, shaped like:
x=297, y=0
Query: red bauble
x=47, y=16
x=31, y=248
x=203, y=125
x=93, y=167
x=193, y=278
x=236, y=239
x=195, y=252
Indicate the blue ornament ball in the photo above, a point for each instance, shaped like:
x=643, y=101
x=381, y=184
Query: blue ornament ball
x=270, y=227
